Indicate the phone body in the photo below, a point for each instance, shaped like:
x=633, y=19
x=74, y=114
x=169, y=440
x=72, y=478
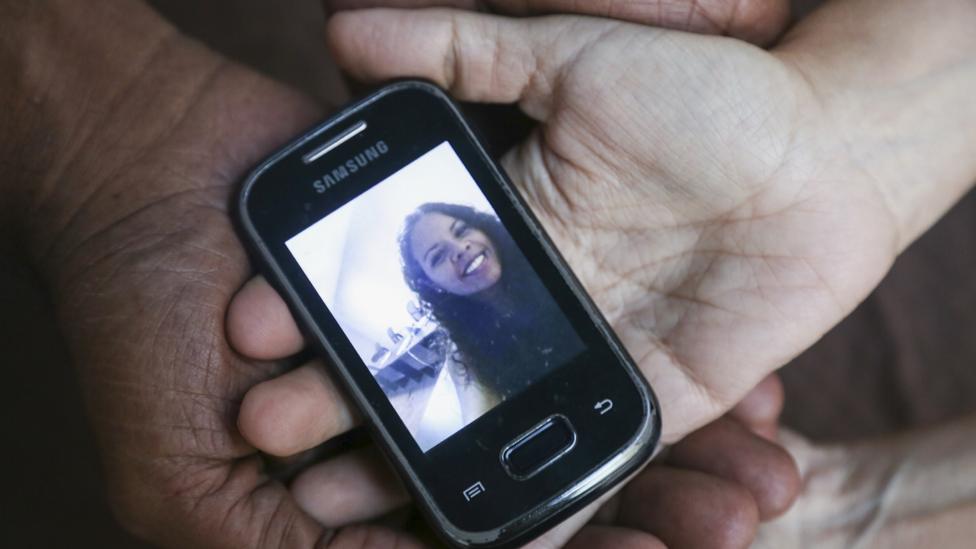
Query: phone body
x=497, y=390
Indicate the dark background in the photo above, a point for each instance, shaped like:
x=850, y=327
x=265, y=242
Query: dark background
x=904, y=358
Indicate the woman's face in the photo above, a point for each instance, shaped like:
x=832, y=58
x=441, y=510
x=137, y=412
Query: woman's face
x=457, y=257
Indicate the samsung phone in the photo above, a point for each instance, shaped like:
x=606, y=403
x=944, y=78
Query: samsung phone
x=487, y=375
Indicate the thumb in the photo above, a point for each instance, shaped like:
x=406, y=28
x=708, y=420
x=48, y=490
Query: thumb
x=761, y=408
x=756, y=21
x=477, y=57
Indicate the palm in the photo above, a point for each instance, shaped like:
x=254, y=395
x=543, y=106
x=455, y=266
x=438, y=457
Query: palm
x=672, y=184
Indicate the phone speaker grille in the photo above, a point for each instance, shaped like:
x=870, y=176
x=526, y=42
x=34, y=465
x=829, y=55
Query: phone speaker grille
x=335, y=142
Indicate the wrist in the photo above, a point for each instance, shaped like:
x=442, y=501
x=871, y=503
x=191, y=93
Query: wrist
x=871, y=493
x=893, y=87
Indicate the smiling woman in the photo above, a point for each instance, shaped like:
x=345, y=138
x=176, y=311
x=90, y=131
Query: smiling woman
x=471, y=277
x=445, y=247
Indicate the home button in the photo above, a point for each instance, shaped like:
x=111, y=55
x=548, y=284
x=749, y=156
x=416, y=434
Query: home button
x=539, y=447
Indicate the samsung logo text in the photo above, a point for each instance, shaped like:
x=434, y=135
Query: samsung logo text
x=349, y=167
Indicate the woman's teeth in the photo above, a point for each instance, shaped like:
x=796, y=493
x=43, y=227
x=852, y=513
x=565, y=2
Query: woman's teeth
x=475, y=263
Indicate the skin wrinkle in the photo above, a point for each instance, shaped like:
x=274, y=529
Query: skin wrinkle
x=692, y=8
x=222, y=183
x=453, y=59
x=734, y=106
x=809, y=86
x=95, y=262
x=195, y=444
x=629, y=288
x=570, y=80
x=179, y=464
x=532, y=104
x=196, y=438
x=155, y=143
x=537, y=189
x=284, y=530
x=495, y=59
x=596, y=226
x=537, y=97
x=733, y=15
x=663, y=340
x=745, y=122
x=549, y=136
x=183, y=491
x=659, y=343
x=713, y=23
x=243, y=500
x=261, y=486
x=72, y=157
x=175, y=300
x=291, y=520
x=691, y=378
x=83, y=249
x=83, y=139
x=839, y=305
x=552, y=181
x=898, y=237
x=594, y=147
x=649, y=288
x=626, y=249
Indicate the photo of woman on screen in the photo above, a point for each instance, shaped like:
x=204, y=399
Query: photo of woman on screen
x=469, y=275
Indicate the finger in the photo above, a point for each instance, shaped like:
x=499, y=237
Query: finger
x=756, y=21
x=259, y=324
x=689, y=509
x=295, y=411
x=760, y=409
x=477, y=57
x=729, y=451
x=353, y=487
x=367, y=536
x=613, y=537
x=332, y=6
x=243, y=509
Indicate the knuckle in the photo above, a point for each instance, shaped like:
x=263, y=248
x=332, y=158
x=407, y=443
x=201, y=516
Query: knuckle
x=779, y=484
x=259, y=415
x=736, y=518
x=758, y=20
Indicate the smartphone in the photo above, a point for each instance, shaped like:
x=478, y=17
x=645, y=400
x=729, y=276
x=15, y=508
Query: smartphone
x=487, y=375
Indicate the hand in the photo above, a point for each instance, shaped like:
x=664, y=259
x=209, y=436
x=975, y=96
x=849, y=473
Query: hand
x=121, y=207
x=695, y=184
x=908, y=490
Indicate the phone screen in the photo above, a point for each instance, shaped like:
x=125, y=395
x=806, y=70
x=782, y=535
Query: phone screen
x=435, y=295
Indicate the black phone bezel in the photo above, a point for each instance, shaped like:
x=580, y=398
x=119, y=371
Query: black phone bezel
x=278, y=200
